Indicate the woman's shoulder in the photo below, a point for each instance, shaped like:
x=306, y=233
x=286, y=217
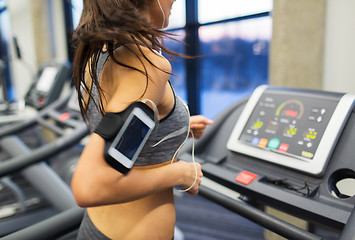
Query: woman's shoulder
x=123, y=83
x=142, y=58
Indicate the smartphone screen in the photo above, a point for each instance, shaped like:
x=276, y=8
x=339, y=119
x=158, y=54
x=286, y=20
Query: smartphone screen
x=132, y=137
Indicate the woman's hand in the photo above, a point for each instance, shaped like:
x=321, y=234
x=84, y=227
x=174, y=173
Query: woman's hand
x=189, y=176
x=198, y=124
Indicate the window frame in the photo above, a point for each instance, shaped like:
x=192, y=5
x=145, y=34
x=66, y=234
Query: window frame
x=7, y=84
x=193, y=49
x=191, y=28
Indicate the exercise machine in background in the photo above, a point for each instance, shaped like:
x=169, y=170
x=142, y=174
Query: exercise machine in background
x=32, y=190
x=288, y=149
x=51, y=79
x=47, y=87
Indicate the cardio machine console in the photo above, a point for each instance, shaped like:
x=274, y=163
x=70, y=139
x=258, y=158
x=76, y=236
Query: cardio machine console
x=295, y=129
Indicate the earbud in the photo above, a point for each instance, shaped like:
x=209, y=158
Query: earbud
x=162, y=12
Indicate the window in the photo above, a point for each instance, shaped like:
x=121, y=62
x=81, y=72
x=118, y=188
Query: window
x=178, y=76
x=177, y=18
x=7, y=91
x=212, y=10
x=177, y=22
x=77, y=8
x=233, y=38
x=235, y=61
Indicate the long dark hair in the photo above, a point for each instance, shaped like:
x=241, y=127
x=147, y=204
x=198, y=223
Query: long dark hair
x=110, y=24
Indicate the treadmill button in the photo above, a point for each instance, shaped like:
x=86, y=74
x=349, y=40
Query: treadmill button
x=64, y=116
x=246, y=177
x=283, y=147
x=263, y=142
x=307, y=154
x=41, y=101
x=274, y=143
x=255, y=141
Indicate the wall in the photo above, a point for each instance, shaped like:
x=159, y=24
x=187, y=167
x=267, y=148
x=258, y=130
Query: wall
x=38, y=26
x=296, y=54
x=313, y=45
x=22, y=29
x=339, y=51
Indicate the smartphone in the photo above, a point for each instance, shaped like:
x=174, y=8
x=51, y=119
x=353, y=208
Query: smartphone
x=130, y=140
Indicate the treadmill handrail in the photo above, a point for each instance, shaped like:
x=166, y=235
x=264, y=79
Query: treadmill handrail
x=255, y=215
x=14, y=128
x=349, y=229
x=52, y=227
x=65, y=140
x=15, y=164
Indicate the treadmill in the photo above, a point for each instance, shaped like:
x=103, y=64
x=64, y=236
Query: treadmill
x=47, y=87
x=244, y=174
x=33, y=190
x=285, y=148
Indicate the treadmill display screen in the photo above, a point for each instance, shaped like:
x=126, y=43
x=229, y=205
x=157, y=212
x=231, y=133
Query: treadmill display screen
x=295, y=128
x=291, y=125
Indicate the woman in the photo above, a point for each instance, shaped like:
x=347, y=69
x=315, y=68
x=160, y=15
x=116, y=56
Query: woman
x=117, y=63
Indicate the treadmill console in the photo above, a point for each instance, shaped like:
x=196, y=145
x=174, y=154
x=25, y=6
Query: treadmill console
x=293, y=128
x=48, y=85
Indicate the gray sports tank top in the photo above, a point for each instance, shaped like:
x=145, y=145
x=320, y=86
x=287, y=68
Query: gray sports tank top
x=166, y=137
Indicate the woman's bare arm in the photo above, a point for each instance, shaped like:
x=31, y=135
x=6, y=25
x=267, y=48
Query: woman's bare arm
x=95, y=183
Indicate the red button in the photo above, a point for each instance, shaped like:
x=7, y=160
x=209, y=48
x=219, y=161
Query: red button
x=246, y=177
x=64, y=116
x=283, y=147
x=41, y=101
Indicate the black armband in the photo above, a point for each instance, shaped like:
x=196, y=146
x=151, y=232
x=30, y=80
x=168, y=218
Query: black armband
x=111, y=124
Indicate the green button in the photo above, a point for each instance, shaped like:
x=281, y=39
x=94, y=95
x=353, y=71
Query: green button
x=274, y=143
x=307, y=154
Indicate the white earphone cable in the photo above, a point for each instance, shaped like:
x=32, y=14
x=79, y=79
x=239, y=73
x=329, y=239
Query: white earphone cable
x=178, y=132
x=192, y=152
x=161, y=9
